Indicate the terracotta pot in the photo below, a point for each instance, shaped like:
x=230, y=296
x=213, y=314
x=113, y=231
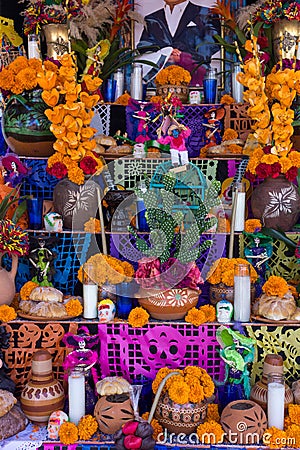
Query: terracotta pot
x=259, y=392
x=179, y=91
x=112, y=411
x=42, y=395
x=221, y=291
x=7, y=282
x=244, y=421
x=26, y=129
x=285, y=35
x=180, y=418
x=75, y=203
x=276, y=202
x=172, y=304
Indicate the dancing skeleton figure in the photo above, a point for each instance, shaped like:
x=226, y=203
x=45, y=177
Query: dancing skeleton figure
x=177, y=135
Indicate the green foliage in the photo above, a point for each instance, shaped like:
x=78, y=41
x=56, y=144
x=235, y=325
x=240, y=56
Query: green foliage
x=8, y=201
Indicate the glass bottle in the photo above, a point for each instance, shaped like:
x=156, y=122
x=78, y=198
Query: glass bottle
x=242, y=293
x=90, y=293
x=210, y=86
x=276, y=393
x=136, y=82
x=34, y=46
x=236, y=87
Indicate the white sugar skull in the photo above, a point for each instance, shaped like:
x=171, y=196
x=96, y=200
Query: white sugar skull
x=56, y=419
x=106, y=311
x=53, y=222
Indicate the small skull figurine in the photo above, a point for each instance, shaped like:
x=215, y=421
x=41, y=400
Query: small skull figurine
x=53, y=222
x=106, y=311
x=56, y=419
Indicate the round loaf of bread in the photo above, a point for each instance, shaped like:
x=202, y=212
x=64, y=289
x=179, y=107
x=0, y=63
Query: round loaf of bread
x=46, y=294
x=7, y=401
x=277, y=308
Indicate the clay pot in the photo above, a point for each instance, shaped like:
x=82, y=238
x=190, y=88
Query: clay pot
x=244, y=422
x=7, y=282
x=113, y=411
x=43, y=394
x=179, y=91
x=259, y=392
x=180, y=418
x=26, y=129
x=221, y=291
x=172, y=304
x=75, y=203
x=276, y=202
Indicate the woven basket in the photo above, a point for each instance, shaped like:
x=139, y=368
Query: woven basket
x=179, y=91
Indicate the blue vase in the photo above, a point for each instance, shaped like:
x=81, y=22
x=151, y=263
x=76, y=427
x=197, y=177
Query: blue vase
x=228, y=392
x=125, y=299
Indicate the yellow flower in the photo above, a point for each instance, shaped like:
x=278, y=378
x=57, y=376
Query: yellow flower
x=269, y=159
x=179, y=391
x=7, y=313
x=89, y=100
x=195, y=317
x=87, y=426
x=92, y=83
x=252, y=225
x=138, y=317
x=26, y=290
x=47, y=80
x=275, y=286
x=51, y=97
x=74, y=308
x=68, y=433
x=210, y=432
x=27, y=78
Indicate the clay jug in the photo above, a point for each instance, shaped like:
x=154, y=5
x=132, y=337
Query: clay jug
x=43, y=394
x=7, y=282
x=259, y=392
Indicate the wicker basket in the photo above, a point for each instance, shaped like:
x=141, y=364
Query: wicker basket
x=179, y=91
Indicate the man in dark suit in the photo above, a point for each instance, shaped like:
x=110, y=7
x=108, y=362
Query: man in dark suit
x=184, y=34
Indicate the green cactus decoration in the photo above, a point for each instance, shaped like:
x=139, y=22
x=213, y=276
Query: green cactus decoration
x=163, y=223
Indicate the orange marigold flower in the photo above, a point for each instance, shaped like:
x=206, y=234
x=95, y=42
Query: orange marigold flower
x=229, y=134
x=274, y=438
x=27, y=78
x=212, y=412
x=209, y=312
x=196, y=394
x=26, y=290
x=252, y=225
x=49, y=65
x=275, y=286
x=235, y=148
x=87, y=426
x=293, y=436
x=210, y=430
x=227, y=100
x=179, y=392
x=92, y=225
x=138, y=317
x=76, y=175
x=74, y=308
x=123, y=99
x=7, y=79
x=7, y=313
x=35, y=64
x=294, y=413
x=21, y=62
x=161, y=374
x=195, y=317
x=68, y=433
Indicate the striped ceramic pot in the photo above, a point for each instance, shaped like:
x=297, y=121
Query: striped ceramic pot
x=42, y=395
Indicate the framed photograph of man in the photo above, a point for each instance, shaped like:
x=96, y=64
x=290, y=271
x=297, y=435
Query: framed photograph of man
x=181, y=32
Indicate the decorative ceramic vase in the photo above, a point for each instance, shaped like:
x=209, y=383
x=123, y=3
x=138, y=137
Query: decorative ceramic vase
x=42, y=394
x=75, y=203
x=180, y=418
x=259, y=392
x=25, y=127
x=7, y=282
x=221, y=291
x=113, y=411
x=245, y=421
x=172, y=304
x=276, y=202
x=285, y=35
x=179, y=91
x=57, y=39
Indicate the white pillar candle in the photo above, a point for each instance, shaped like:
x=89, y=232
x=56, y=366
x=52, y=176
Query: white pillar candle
x=242, y=293
x=276, y=394
x=240, y=193
x=76, y=390
x=90, y=301
x=34, y=46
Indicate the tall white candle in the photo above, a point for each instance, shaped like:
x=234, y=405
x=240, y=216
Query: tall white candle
x=240, y=193
x=90, y=301
x=276, y=393
x=242, y=293
x=33, y=46
x=76, y=390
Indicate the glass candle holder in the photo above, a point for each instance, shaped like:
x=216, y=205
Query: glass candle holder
x=239, y=197
x=210, y=86
x=276, y=393
x=242, y=293
x=90, y=293
x=236, y=87
x=136, y=82
x=35, y=213
x=76, y=394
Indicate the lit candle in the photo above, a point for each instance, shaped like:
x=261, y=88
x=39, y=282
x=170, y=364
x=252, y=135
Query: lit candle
x=76, y=390
x=276, y=394
x=242, y=293
x=90, y=293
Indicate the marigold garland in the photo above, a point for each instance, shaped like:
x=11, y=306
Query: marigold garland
x=7, y=313
x=275, y=286
x=157, y=428
x=68, y=433
x=274, y=438
x=74, y=308
x=253, y=225
x=210, y=430
x=138, y=317
x=87, y=426
x=26, y=290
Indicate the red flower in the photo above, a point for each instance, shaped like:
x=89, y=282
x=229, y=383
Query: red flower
x=267, y=149
x=275, y=170
x=263, y=41
x=291, y=174
x=88, y=165
x=58, y=170
x=263, y=170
